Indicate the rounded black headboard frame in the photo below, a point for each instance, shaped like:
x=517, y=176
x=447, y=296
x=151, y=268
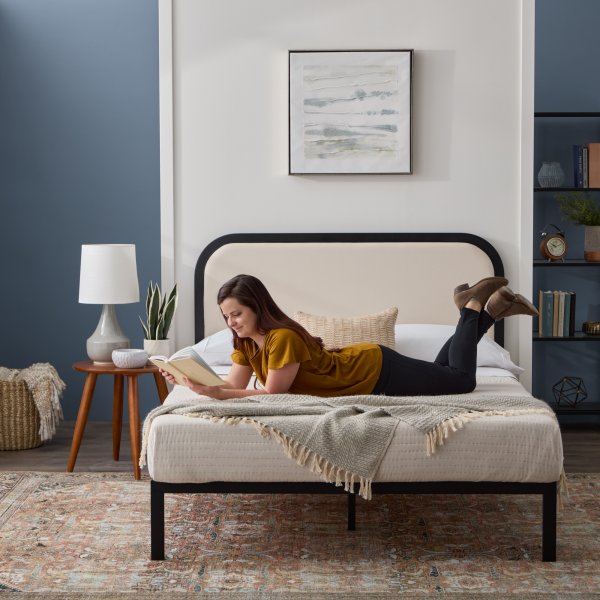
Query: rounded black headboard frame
x=262, y=238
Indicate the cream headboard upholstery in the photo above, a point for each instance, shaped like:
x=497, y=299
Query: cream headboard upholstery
x=348, y=274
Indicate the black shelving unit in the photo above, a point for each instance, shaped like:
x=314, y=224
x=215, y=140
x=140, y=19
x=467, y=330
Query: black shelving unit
x=587, y=407
x=590, y=408
x=567, y=114
x=579, y=336
x=565, y=189
x=569, y=262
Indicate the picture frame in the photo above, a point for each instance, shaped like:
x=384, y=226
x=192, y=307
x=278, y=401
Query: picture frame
x=350, y=112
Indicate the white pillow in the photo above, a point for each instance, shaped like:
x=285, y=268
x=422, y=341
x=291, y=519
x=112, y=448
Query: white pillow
x=417, y=340
x=216, y=349
x=424, y=341
x=491, y=354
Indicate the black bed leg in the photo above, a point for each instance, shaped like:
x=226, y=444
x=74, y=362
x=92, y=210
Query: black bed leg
x=549, y=524
x=157, y=521
x=351, y=512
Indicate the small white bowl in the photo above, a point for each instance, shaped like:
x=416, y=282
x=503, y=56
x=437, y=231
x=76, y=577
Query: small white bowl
x=129, y=358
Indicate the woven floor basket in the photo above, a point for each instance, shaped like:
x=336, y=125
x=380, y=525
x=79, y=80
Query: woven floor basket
x=19, y=418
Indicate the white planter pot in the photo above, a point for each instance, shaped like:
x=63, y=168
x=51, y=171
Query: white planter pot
x=591, y=246
x=158, y=347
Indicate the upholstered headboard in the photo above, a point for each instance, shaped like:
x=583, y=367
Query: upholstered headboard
x=348, y=274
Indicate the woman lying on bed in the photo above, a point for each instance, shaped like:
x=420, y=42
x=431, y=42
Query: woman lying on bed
x=287, y=359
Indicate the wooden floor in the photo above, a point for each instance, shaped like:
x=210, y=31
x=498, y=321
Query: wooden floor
x=95, y=453
x=581, y=450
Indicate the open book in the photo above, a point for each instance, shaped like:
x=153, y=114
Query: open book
x=187, y=362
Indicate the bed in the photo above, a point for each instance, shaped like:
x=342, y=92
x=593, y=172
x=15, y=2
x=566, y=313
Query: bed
x=364, y=273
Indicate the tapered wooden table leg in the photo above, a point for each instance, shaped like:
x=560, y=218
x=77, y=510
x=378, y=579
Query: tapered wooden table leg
x=161, y=386
x=92, y=370
x=82, y=416
x=134, y=423
x=117, y=415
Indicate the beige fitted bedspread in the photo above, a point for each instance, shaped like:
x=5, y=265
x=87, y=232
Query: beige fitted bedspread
x=524, y=448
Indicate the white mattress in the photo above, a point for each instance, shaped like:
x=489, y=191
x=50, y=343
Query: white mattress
x=516, y=448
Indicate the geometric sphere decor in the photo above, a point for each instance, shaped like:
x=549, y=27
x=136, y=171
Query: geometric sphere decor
x=569, y=391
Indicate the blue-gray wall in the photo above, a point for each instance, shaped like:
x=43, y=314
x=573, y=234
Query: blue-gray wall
x=79, y=163
x=567, y=55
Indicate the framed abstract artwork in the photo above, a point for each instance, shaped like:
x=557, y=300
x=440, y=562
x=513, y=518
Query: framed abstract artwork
x=350, y=111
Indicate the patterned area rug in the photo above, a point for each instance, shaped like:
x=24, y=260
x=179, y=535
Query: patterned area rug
x=88, y=536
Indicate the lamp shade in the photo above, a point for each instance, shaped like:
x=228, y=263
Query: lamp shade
x=108, y=274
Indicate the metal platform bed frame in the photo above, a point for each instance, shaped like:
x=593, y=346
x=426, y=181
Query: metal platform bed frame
x=159, y=489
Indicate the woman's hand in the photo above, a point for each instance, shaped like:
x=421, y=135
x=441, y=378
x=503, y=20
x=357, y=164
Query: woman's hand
x=217, y=392
x=167, y=376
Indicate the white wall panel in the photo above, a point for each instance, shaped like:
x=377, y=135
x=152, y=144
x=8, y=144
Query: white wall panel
x=231, y=124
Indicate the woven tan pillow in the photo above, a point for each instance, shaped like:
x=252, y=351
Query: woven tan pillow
x=337, y=332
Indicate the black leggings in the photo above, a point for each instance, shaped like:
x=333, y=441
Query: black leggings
x=452, y=372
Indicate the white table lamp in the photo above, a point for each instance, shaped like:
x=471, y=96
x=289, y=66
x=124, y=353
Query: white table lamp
x=108, y=276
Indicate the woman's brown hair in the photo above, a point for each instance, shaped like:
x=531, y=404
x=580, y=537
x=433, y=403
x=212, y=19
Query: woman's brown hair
x=251, y=292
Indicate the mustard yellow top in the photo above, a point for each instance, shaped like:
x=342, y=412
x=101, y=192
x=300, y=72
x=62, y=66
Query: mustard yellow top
x=346, y=372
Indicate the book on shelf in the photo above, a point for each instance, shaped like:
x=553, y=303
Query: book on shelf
x=577, y=165
x=573, y=296
x=586, y=165
x=546, y=310
x=556, y=313
x=594, y=165
x=561, y=315
x=567, y=314
x=187, y=363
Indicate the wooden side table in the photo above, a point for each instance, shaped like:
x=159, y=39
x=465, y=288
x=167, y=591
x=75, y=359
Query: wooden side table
x=93, y=370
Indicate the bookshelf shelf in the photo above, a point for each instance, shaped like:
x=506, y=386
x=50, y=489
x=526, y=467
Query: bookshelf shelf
x=573, y=262
x=567, y=114
x=585, y=408
x=578, y=337
x=565, y=189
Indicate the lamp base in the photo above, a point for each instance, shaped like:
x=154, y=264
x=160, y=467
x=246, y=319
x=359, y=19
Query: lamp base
x=107, y=337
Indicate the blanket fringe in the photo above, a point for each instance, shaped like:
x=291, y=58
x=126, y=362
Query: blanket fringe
x=305, y=457
x=436, y=436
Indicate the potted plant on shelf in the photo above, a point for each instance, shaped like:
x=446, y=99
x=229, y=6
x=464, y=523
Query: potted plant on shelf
x=583, y=209
x=159, y=314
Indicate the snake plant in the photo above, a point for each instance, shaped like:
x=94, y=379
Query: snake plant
x=159, y=312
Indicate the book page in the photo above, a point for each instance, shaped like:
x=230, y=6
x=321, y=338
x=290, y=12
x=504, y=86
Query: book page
x=188, y=352
x=185, y=352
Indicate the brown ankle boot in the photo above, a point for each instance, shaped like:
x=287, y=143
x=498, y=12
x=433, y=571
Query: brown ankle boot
x=481, y=291
x=505, y=303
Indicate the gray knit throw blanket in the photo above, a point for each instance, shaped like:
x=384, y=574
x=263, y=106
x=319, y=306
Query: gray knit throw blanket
x=344, y=439
x=46, y=387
